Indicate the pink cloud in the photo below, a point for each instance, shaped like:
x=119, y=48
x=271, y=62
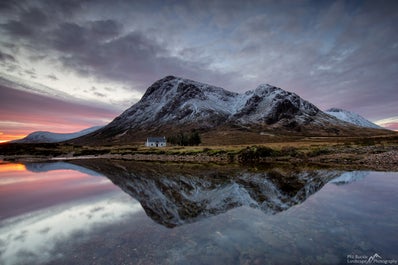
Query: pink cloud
x=22, y=113
x=391, y=126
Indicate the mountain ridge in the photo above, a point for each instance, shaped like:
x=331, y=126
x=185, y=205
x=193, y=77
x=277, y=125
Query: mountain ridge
x=174, y=104
x=51, y=137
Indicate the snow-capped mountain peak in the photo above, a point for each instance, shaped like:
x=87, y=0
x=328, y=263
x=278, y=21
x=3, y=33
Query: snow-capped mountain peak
x=183, y=101
x=351, y=117
x=264, y=89
x=173, y=104
x=50, y=137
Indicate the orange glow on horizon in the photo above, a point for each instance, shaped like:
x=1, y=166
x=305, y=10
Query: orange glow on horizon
x=20, y=131
x=7, y=167
x=6, y=137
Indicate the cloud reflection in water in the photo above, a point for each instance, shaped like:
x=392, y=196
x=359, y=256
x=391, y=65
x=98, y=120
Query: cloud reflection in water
x=32, y=237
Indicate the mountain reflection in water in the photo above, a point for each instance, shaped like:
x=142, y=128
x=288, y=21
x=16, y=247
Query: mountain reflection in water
x=173, y=194
x=63, y=213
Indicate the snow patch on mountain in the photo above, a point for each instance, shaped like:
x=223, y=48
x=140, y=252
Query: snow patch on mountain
x=50, y=137
x=174, y=100
x=173, y=104
x=351, y=117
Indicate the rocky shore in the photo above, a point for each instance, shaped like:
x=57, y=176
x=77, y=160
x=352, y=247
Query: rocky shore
x=385, y=161
x=372, y=154
x=369, y=157
x=374, y=158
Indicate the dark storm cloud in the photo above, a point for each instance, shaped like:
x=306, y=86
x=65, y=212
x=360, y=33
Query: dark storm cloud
x=342, y=52
x=44, y=109
x=364, y=60
x=98, y=47
x=6, y=57
x=119, y=59
x=63, y=8
x=104, y=29
x=29, y=21
x=69, y=37
x=33, y=19
x=9, y=5
x=17, y=29
x=333, y=53
x=132, y=58
x=33, y=16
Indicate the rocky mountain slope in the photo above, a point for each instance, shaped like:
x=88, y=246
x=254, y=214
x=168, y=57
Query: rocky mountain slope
x=50, y=137
x=351, y=117
x=174, y=104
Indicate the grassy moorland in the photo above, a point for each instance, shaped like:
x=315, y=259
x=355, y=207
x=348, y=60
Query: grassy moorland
x=378, y=152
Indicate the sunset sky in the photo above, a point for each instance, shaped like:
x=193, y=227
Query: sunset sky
x=68, y=65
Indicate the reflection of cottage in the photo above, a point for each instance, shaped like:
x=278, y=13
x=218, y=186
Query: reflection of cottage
x=155, y=141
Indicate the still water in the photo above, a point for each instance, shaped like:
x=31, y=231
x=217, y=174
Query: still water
x=120, y=212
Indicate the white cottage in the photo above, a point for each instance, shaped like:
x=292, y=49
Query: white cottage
x=155, y=142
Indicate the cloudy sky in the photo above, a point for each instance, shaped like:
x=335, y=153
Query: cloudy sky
x=67, y=65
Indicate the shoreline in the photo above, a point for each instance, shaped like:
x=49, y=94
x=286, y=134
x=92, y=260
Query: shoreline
x=365, y=158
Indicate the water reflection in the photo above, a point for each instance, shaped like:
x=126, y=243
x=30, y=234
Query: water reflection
x=348, y=177
x=219, y=214
x=60, y=165
x=22, y=191
x=31, y=238
x=173, y=195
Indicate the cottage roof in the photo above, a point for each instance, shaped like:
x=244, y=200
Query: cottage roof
x=156, y=139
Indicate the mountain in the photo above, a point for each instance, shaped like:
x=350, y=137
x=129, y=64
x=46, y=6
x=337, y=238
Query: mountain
x=173, y=195
x=50, y=137
x=351, y=117
x=175, y=104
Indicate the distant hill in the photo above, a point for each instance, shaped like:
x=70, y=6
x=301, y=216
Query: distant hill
x=50, y=137
x=352, y=117
x=175, y=104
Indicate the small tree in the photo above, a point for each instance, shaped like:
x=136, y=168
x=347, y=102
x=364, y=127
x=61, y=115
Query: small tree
x=194, y=138
x=185, y=139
